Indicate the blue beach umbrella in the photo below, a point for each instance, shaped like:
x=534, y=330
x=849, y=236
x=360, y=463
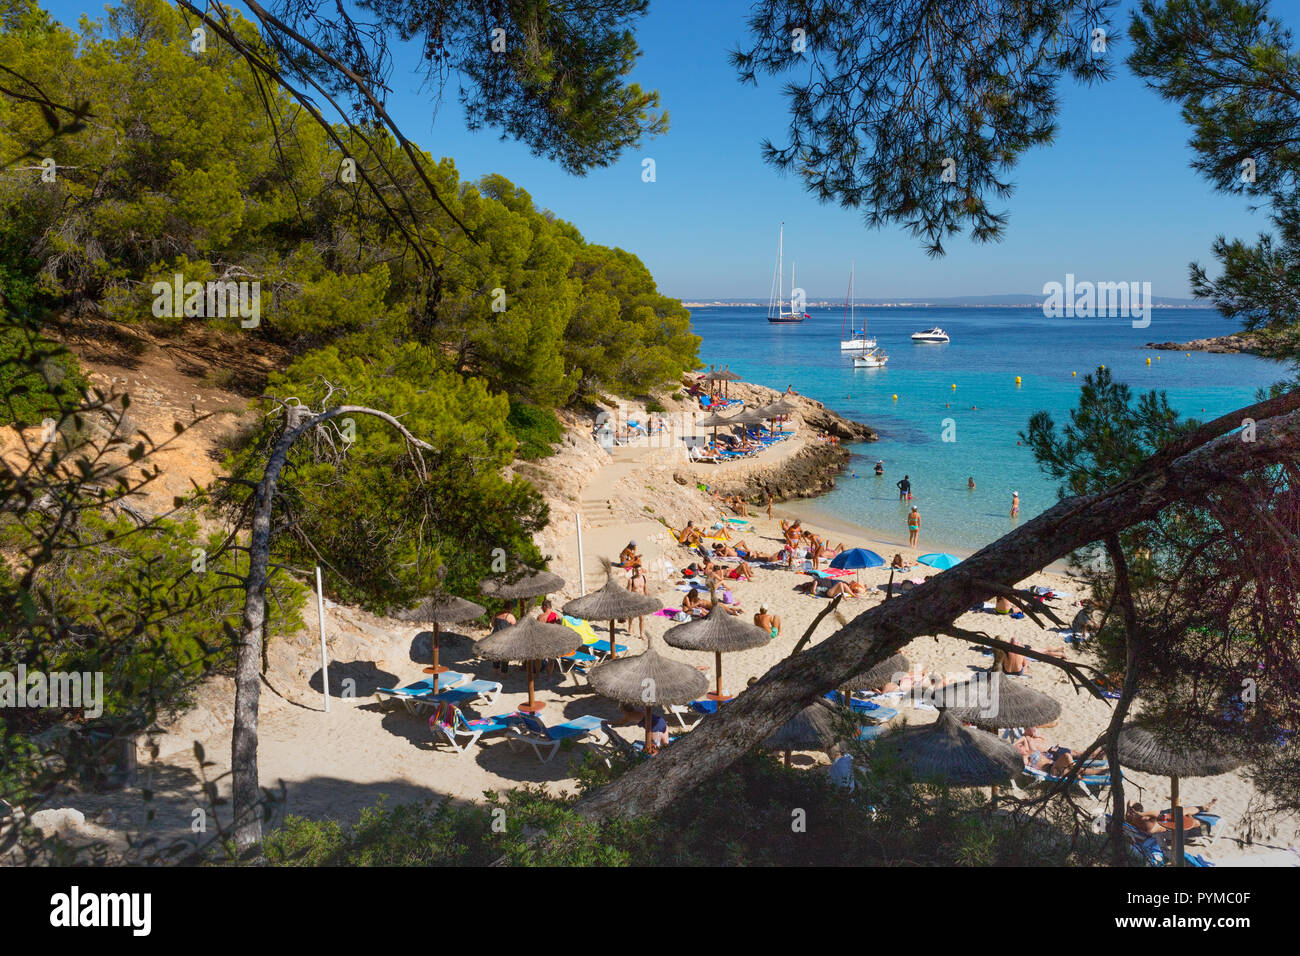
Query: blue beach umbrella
x=855, y=559
x=942, y=560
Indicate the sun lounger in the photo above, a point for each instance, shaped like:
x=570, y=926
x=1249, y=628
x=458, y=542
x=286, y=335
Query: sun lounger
x=601, y=648
x=531, y=730
x=865, y=709
x=420, y=688
x=449, y=724
x=476, y=690
x=1084, y=783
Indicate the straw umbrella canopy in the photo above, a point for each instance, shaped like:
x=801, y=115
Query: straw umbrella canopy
x=714, y=421
x=813, y=728
x=436, y=610
x=1141, y=748
x=528, y=641
x=750, y=416
x=947, y=751
x=779, y=409
x=613, y=602
x=719, y=632
x=878, y=676
x=1012, y=705
x=647, y=679
x=534, y=584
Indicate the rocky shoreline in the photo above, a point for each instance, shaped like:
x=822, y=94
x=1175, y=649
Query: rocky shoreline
x=1236, y=343
x=809, y=473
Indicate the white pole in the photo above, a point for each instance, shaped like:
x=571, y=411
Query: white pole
x=324, y=661
x=582, y=567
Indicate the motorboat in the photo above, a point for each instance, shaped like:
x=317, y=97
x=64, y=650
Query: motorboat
x=935, y=335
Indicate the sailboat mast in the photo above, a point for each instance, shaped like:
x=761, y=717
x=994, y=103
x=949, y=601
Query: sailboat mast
x=780, y=271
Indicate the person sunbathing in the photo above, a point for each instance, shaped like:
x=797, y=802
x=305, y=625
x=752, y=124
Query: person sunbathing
x=629, y=554
x=741, y=572
x=850, y=589
x=898, y=564
x=693, y=604
x=768, y=621
x=1144, y=820
x=739, y=506
x=690, y=535
x=632, y=714
x=1064, y=761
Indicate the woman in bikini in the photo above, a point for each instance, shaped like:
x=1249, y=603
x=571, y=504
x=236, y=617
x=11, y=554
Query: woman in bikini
x=768, y=622
x=637, y=584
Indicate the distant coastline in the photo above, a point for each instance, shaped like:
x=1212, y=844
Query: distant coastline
x=907, y=304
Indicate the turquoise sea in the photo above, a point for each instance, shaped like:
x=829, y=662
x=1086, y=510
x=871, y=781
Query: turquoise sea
x=986, y=411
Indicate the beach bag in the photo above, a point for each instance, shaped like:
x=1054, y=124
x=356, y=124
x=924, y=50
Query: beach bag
x=726, y=597
x=681, y=617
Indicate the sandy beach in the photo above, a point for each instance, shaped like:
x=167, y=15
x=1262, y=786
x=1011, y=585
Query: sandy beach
x=334, y=764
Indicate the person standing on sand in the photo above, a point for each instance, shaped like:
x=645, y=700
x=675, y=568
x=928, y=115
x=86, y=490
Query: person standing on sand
x=1015, y=503
x=769, y=507
x=904, y=488
x=638, y=584
x=913, y=526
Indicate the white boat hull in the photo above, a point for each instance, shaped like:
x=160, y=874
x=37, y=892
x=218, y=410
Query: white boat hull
x=854, y=345
x=870, y=361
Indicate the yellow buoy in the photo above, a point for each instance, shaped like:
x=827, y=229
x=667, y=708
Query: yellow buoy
x=954, y=386
x=1189, y=354
x=1074, y=374
x=1148, y=361
x=1017, y=379
x=895, y=398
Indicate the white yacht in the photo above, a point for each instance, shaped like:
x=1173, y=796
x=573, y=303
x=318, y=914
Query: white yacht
x=776, y=305
x=936, y=335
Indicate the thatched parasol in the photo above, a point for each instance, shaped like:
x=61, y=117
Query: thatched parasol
x=647, y=679
x=613, y=602
x=531, y=585
x=1011, y=704
x=813, y=728
x=714, y=421
x=719, y=632
x=880, y=675
x=530, y=640
x=947, y=751
x=1142, y=748
x=440, y=609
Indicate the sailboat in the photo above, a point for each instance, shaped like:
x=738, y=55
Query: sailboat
x=776, y=306
x=852, y=338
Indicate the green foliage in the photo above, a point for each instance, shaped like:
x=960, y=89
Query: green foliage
x=536, y=429
x=1107, y=435
x=1233, y=70
x=122, y=572
x=391, y=525
x=37, y=375
x=757, y=813
x=882, y=92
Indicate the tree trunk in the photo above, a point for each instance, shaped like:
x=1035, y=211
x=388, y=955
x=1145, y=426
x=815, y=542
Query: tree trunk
x=243, y=738
x=1133, y=647
x=885, y=629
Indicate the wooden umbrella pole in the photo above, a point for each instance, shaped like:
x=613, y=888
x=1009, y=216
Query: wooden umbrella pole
x=1178, y=820
x=717, y=661
x=649, y=723
x=532, y=706
x=435, y=657
x=612, y=652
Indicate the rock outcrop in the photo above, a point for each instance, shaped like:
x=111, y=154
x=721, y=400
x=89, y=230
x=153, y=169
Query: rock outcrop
x=1235, y=343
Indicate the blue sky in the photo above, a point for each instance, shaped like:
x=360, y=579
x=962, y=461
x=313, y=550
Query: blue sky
x=1112, y=199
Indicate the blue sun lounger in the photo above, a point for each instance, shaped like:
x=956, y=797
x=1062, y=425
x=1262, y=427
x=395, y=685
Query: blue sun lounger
x=865, y=709
x=532, y=730
x=421, y=688
x=455, y=726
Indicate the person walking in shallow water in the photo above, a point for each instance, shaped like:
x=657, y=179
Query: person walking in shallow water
x=1015, y=503
x=913, y=526
x=904, y=488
